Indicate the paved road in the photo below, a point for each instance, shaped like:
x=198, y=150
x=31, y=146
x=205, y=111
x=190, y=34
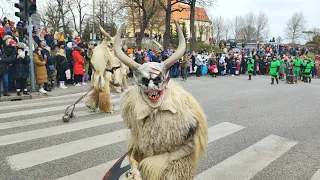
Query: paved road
x=257, y=131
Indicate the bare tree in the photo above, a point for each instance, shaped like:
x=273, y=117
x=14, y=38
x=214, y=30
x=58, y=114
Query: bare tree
x=50, y=16
x=227, y=28
x=218, y=28
x=262, y=26
x=236, y=26
x=248, y=31
x=313, y=39
x=63, y=12
x=77, y=9
x=132, y=16
x=295, y=27
x=147, y=9
x=167, y=7
x=156, y=22
x=192, y=4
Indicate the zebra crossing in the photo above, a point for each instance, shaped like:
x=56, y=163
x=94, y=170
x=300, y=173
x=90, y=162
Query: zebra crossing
x=36, y=144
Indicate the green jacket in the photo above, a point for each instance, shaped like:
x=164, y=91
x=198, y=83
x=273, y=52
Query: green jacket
x=250, y=65
x=308, y=67
x=297, y=63
x=274, y=65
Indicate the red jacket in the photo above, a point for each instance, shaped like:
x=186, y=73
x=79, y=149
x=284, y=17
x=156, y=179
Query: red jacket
x=78, y=63
x=3, y=32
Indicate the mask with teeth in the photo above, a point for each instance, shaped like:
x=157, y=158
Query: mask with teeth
x=151, y=77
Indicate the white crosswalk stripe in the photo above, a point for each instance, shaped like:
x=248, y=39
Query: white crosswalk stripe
x=41, y=110
x=316, y=176
x=31, y=156
x=247, y=163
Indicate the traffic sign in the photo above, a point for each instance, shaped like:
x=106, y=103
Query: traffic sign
x=36, y=19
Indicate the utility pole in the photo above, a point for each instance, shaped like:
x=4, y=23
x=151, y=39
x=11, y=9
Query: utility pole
x=93, y=21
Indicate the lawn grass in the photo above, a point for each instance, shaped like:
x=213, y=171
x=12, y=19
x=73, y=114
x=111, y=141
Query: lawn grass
x=201, y=46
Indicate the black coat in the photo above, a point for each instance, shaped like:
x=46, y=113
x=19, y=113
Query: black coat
x=4, y=63
x=20, y=67
x=62, y=63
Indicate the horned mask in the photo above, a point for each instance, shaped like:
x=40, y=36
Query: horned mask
x=151, y=77
x=108, y=39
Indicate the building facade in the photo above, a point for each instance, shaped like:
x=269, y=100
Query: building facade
x=203, y=24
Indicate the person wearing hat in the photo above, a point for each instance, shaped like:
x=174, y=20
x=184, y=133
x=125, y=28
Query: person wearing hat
x=250, y=66
x=20, y=68
x=274, y=69
x=297, y=67
x=307, y=70
x=62, y=64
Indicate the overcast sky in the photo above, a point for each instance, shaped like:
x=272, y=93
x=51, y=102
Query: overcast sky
x=278, y=11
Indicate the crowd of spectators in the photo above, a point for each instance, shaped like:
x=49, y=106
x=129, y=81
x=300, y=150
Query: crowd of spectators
x=58, y=59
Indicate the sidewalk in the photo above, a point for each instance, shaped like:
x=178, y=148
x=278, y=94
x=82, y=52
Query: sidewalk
x=55, y=92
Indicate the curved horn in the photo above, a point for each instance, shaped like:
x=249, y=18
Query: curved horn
x=105, y=33
x=120, y=54
x=180, y=51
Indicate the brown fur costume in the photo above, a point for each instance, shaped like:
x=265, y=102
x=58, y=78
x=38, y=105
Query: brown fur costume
x=168, y=142
x=102, y=59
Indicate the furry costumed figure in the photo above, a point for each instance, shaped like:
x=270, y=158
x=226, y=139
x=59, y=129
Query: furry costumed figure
x=119, y=81
x=168, y=127
x=102, y=71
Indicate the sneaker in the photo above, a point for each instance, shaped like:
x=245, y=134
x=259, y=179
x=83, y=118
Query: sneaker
x=41, y=90
x=63, y=87
x=26, y=93
x=78, y=84
x=83, y=83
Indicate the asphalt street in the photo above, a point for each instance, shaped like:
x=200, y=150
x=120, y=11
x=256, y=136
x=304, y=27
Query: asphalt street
x=257, y=131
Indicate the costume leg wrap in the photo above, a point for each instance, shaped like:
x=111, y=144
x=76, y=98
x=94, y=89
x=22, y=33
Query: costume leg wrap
x=104, y=102
x=104, y=99
x=93, y=99
x=124, y=83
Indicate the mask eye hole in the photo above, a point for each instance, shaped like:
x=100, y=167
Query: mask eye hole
x=157, y=80
x=145, y=81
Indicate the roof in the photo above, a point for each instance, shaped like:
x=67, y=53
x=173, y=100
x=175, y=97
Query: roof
x=200, y=13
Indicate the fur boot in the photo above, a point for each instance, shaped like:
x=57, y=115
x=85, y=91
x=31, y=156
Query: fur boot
x=93, y=99
x=104, y=102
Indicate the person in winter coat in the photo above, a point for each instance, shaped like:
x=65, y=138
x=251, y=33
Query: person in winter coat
x=78, y=67
x=40, y=69
x=20, y=67
x=50, y=65
x=62, y=64
x=69, y=50
x=4, y=63
x=184, y=66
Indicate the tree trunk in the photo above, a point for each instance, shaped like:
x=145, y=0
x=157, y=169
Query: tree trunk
x=192, y=31
x=133, y=21
x=166, y=37
x=141, y=34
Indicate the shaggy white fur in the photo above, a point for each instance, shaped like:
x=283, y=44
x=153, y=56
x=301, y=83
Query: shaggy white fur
x=169, y=141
